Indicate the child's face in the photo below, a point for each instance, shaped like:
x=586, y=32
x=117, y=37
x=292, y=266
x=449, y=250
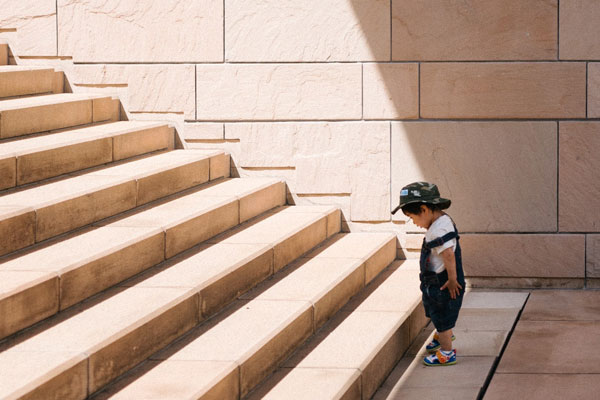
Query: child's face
x=422, y=220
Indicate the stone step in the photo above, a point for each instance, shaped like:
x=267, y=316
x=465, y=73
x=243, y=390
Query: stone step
x=42, y=212
x=26, y=80
x=45, y=281
x=228, y=356
x=3, y=54
x=351, y=356
x=92, y=344
x=37, y=158
x=29, y=115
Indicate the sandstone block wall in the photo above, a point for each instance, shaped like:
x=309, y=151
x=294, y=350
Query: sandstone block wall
x=497, y=101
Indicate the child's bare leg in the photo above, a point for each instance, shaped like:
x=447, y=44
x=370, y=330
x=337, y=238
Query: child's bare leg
x=446, y=339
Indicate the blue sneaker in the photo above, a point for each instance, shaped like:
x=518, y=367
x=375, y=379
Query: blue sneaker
x=439, y=359
x=435, y=345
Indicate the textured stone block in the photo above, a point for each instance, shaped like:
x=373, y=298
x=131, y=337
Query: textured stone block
x=106, y=109
x=152, y=88
x=474, y=30
x=391, y=91
x=17, y=228
x=311, y=30
x=579, y=30
x=579, y=178
x=503, y=90
x=26, y=297
x=278, y=91
x=199, y=131
x=3, y=54
x=21, y=81
x=35, y=21
x=594, y=90
x=141, y=142
x=593, y=256
x=198, y=36
x=8, y=171
x=488, y=169
x=536, y=386
x=267, y=144
x=562, y=305
x=523, y=255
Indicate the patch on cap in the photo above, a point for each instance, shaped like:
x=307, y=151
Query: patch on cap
x=404, y=192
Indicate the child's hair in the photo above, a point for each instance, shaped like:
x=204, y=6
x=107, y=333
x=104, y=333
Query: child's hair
x=415, y=208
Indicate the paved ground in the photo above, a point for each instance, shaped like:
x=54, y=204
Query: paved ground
x=554, y=352
x=485, y=322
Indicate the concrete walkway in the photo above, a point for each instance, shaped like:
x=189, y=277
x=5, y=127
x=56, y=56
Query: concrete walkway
x=485, y=322
x=554, y=352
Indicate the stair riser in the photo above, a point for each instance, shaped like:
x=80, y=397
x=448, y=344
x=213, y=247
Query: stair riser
x=70, y=385
x=40, y=300
x=100, y=274
x=37, y=166
x=45, y=118
x=8, y=173
x=121, y=355
x=83, y=282
x=254, y=204
x=380, y=261
x=292, y=248
x=159, y=185
x=187, y=234
x=265, y=360
x=222, y=292
x=220, y=167
x=3, y=54
x=23, y=83
x=17, y=231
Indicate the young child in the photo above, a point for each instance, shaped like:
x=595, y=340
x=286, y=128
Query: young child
x=442, y=276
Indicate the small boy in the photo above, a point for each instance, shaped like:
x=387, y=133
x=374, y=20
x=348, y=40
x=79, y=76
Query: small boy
x=442, y=276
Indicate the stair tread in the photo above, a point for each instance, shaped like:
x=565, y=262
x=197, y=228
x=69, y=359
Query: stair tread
x=351, y=341
x=130, y=307
x=237, y=336
x=11, y=68
x=46, y=142
x=38, y=101
x=50, y=193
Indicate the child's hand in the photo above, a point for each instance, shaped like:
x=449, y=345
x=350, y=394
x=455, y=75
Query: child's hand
x=453, y=287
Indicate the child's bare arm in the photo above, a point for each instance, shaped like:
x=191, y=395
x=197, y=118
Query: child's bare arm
x=450, y=264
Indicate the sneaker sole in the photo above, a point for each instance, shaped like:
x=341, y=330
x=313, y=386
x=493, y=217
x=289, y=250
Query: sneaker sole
x=440, y=365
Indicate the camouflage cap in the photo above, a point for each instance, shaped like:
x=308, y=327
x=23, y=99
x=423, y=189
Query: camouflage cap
x=421, y=192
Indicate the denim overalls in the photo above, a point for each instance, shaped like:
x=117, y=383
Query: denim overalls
x=442, y=309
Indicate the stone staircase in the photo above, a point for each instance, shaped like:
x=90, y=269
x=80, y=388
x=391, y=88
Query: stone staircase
x=130, y=269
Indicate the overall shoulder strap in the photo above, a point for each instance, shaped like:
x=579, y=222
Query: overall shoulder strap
x=441, y=240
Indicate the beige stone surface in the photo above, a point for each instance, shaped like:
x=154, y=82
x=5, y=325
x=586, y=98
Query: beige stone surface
x=499, y=319
x=26, y=297
x=543, y=386
x=41, y=165
x=103, y=197
x=35, y=21
x=68, y=381
x=562, y=305
x=326, y=283
x=142, y=141
x=528, y=349
x=338, y=30
x=497, y=300
x=391, y=91
x=491, y=30
x=578, y=179
x=19, y=81
x=24, y=116
x=303, y=239
x=152, y=88
x=468, y=156
x=220, y=166
x=173, y=380
x=527, y=283
x=311, y=383
x=198, y=131
x=106, y=109
x=592, y=266
x=258, y=335
x=524, y=255
x=3, y=54
x=503, y=90
x=278, y=91
x=593, y=90
x=579, y=30
x=198, y=37
x=267, y=144
x=8, y=171
x=261, y=201
x=395, y=290
x=17, y=228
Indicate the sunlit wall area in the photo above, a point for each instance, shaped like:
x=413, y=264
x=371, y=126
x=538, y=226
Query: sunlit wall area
x=496, y=101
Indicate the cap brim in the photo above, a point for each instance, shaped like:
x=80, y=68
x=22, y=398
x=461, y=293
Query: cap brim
x=395, y=210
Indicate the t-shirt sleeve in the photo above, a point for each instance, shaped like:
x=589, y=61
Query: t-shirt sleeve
x=443, y=228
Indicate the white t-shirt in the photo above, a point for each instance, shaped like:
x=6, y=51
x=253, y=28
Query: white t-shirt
x=439, y=228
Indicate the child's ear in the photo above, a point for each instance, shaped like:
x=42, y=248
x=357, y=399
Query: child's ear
x=422, y=209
